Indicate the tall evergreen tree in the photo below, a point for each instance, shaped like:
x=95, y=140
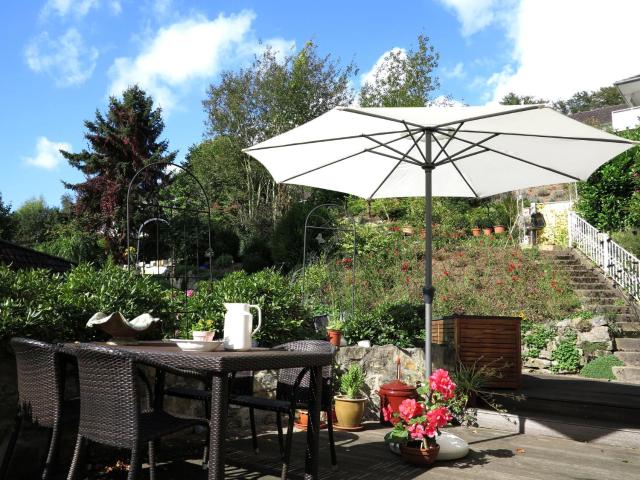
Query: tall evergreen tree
x=6, y=221
x=121, y=142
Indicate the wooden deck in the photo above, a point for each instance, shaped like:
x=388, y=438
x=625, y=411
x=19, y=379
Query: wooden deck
x=495, y=455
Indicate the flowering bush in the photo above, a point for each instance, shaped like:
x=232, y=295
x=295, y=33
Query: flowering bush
x=421, y=420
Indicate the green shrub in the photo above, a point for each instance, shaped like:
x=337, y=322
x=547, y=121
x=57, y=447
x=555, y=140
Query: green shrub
x=601, y=367
x=37, y=303
x=352, y=382
x=225, y=242
x=629, y=240
x=282, y=314
x=536, y=336
x=256, y=255
x=223, y=261
x=566, y=355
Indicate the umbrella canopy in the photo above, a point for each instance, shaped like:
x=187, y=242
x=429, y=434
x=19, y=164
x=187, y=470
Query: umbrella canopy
x=446, y=151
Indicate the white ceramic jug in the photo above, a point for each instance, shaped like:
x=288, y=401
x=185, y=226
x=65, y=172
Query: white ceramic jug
x=238, y=323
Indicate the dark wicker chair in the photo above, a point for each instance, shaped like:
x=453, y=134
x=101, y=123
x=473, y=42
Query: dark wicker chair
x=293, y=392
x=40, y=390
x=110, y=408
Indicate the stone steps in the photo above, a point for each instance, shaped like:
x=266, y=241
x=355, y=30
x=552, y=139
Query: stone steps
x=630, y=359
x=629, y=374
x=627, y=344
x=595, y=293
x=629, y=329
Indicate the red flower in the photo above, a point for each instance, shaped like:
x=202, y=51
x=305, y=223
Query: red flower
x=446, y=273
x=498, y=282
x=407, y=280
x=410, y=408
x=405, y=266
x=440, y=417
x=440, y=382
x=387, y=413
x=514, y=278
x=512, y=267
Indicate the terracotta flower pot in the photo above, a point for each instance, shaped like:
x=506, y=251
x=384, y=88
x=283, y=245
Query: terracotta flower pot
x=334, y=337
x=349, y=411
x=476, y=232
x=499, y=228
x=418, y=455
x=487, y=231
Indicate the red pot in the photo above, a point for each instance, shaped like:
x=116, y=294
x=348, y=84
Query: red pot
x=420, y=456
x=476, y=232
x=499, y=228
x=394, y=393
x=334, y=337
x=487, y=231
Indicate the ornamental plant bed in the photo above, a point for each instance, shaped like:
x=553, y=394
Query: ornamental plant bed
x=491, y=341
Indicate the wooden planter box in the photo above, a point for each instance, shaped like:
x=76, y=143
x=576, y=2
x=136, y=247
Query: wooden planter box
x=493, y=341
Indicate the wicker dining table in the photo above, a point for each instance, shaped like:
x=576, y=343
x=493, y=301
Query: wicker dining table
x=219, y=365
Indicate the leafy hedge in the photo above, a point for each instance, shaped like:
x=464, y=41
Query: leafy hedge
x=39, y=304
x=283, y=317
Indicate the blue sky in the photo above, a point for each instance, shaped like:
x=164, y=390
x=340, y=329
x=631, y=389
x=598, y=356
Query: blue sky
x=62, y=59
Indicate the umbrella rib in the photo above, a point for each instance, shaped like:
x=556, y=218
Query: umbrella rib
x=490, y=115
x=391, y=172
x=386, y=145
x=475, y=194
x=456, y=155
x=540, y=135
x=442, y=149
x=456, y=158
x=322, y=140
x=371, y=150
x=415, y=142
x=381, y=117
x=519, y=159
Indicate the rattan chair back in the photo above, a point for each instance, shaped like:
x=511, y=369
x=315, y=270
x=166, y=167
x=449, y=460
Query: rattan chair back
x=108, y=396
x=40, y=380
x=287, y=376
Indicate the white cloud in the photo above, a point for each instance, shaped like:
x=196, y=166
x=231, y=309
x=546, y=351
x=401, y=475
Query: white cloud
x=77, y=8
x=475, y=15
x=378, y=67
x=47, y=154
x=456, y=72
x=66, y=59
x=446, y=101
x=564, y=47
x=115, y=6
x=187, y=51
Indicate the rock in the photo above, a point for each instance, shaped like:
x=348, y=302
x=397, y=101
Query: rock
x=545, y=354
x=599, y=321
x=564, y=323
x=537, y=363
x=595, y=335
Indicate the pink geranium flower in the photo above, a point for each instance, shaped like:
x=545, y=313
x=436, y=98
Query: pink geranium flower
x=410, y=408
x=189, y=293
x=440, y=382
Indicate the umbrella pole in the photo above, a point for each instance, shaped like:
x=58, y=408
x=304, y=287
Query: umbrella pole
x=428, y=290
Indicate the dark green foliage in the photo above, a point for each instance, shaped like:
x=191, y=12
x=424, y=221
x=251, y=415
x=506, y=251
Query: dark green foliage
x=395, y=323
x=601, y=367
x=225, y=242
x=513, y=99
x=120, y=142
x=629, y=239
x=36, y=303
x=6, y=220
x=609, y=199
x=68, y=240
x=253, y=104
x=33, y=222
x=352, y=382
x=256, y=255
x=584, y=101
x=223, y=261
x=403, y=80
x=282, y=314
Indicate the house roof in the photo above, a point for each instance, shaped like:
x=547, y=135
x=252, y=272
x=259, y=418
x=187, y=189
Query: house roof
x=597, y=116
x=21, y=258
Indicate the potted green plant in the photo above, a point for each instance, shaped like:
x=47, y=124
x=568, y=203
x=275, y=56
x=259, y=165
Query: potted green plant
x=334, y=331
x=349, y=404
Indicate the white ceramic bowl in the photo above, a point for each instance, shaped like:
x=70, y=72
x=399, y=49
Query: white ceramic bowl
x=197, y=345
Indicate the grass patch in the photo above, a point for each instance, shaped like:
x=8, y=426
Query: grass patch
x=601, y=367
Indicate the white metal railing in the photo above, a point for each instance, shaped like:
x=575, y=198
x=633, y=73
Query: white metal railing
x=617, y=263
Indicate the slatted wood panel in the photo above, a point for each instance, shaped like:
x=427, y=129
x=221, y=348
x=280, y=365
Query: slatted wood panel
x=492, y=341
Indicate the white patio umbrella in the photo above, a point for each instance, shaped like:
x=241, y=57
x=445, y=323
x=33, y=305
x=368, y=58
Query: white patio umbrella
x=445, y=151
